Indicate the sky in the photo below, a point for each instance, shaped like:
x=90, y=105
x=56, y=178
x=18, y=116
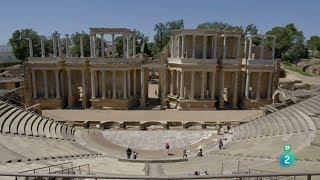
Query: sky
x=69, y=16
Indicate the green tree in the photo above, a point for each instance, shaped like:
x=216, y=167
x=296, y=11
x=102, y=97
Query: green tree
x=287, y=37
x=176, y=24
x=297, y=51
x=20, y=43
x=313, y=43
x=251, y=29
x=219, y=26
x=75, y=49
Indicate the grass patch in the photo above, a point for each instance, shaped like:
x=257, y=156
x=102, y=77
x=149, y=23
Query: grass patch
x=289, y=66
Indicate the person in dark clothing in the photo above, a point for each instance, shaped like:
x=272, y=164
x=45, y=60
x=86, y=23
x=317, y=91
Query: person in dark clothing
x=200, y=153
x=129, y=152
x=184, y=154
x=135, y=155
x=220, y=143
x=167, y=148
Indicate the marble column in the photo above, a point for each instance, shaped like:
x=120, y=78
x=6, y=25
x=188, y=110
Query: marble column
x=224, y=47
x=215, y=48
x=30, y=48
x=192, y=85
x=102, y=46
x=56, y=73
x=114, y=85
x=34, y=84
x=69, y=83
x=172, y=46
x=258, y=86
x=67, y=45
x=113, y=47
x=54, y=45
x=124, y=84
x=134, y=46
x=142, y=101
x=250, y=47
x=193, y=46
x=235, y=90
x=204, y=53
x=123, y=46
x=269, y=85
x=202, y=85
x=245, y=48
x=213, y=83
x=178, y=84
x=261, y=49
x=164, y=83
x=128, y=47
x=103, y=84
x=45, y=79
x=221, y=101
x=84, y=89
x=182, y=46
x=247, y=86
x=129, y=83
x=93, y=84
x=91, y=46
x=171, y=82
x=273, y=47
x=238, y=46
x=94, y=46
x=59, y=47
x=179, y=48
x=134, y=82
x=81, y=47
x=43, y=54
x=181, y=85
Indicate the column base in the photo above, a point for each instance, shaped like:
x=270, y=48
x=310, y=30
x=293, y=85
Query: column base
x=221, y=103
x=84, y=102
x=254, y=104
x=142, y=103
x=164, y=104
x=70, y=101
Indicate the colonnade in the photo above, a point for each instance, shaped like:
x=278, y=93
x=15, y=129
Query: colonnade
x=179, y=49
x=262, y=38
x=180, y=90
x=45, y=83
x=258, y=84
x=56, y=43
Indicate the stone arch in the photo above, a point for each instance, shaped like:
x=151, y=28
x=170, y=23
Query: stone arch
x=190, y=124
x=151, y=123
x=276, y=92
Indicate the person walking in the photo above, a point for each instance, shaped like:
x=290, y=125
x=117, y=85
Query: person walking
x=129, y=152
x=167, y=148
x=220, y=143
x=184, y=154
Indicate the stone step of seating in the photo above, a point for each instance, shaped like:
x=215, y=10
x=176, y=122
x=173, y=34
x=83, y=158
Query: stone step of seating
x=279, y=121
x=15, y=124
x=301, y=120
x=6, y=115
x=42, y=126
x=274, y=124
x=23, y=122
x=305, y=113
x=293, y=119
x=78, y=135
x=53, y=128
x=28, y=126
x=7, y=154
x=253, y=130
x=247, y=131
x=47, y=128
x=35, y=126
x=236, y=134
x=264, y=128
x=70, y=132
x=314, y=106
x=9, y=121
x=58, y=130
x=287, y=122
x=257, y=125
x=5, y=109
x=269, y=127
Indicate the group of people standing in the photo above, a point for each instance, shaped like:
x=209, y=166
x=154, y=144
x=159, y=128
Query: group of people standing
x=130, y=152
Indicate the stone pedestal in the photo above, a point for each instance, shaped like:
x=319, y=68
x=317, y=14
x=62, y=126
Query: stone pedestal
x=221, y=103
x=142, y=103
x=254, y=104
x=164, y=104
x=85, y=102
x=70, y=101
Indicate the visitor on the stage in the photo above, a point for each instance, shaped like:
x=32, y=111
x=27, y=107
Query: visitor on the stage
x=167, y=148
x=184, y=154
x=200, y=153
x=135, y=155
x=220, y=143
x=129, y=152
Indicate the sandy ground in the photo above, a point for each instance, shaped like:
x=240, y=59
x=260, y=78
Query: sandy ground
x=152, y=115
